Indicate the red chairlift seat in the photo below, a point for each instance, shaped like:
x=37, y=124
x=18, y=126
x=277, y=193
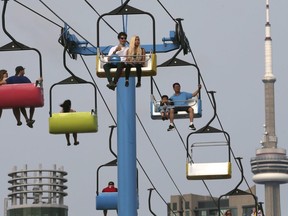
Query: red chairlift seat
x=21, y=95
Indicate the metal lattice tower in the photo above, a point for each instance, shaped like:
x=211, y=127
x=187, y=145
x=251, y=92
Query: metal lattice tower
x=270, y=166
x=36, y=192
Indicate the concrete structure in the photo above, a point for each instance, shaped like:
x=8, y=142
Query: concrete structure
x=197, y=205
x=270, y=166
x=38, y=192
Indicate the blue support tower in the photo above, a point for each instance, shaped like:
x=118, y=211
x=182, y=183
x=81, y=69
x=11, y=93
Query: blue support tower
x=126, y=145
x=128, y=203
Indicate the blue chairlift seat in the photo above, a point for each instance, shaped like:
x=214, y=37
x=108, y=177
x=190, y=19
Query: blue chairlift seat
x=149, y=68
x=108, y=201
x=194, y=102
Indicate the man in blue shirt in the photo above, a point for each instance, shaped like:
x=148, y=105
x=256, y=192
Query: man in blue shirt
x=16, y=79
x=179, y=100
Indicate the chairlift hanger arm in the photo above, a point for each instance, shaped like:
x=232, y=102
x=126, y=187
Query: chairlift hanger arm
x=149, y=201
x=111, y=163
x=110, y=140
x=15, y=45
x=237, y=191
x=206, y=130
x=127, y=10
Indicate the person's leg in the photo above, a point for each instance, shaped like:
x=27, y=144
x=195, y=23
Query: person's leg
x=105, y=212
x=120, y=67
x=0, y=113
x=163, y=115
x=75, y=139
x=171, y=117
x=107, y=68
x=127, y=74
x=16, y=112
x=31, y=113
x=139, y=73
x=167, y=115
x=24, y=113
x=67, y=135
x=191, y=116
x=29, y=120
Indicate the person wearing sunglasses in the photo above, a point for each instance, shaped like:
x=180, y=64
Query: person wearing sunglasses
x=114, y=61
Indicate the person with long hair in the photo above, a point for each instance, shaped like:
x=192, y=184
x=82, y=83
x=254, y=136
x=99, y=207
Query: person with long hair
x=66, y=107
x=135, y=58
x=228, y=213
x=3, y=77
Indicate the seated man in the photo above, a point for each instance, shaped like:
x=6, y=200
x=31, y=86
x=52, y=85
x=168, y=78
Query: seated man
x=119, y=50
x=179, y=100
x=20, y=78
x=109, y=188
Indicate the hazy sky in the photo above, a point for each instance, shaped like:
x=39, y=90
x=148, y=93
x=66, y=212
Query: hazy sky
x=227, y=39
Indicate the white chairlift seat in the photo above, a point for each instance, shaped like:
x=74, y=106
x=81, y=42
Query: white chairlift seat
x=216, y=169
x=149, y=69
x=194, y=102
x=199, y=171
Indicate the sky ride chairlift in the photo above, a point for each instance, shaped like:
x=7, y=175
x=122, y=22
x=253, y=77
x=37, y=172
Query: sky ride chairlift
x=194, y=102
x=149, y=68
x=108, y=200
x=210, y=170
x=75, y=46
x=24, y=94
x=237, y=192
x=73, y=122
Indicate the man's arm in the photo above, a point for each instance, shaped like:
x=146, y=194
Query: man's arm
x=197, y=91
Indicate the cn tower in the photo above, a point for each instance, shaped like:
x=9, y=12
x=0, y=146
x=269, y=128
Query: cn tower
x=270, y=166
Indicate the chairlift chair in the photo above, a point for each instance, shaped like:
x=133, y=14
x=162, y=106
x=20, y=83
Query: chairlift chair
x=208, y=170
x=195, y=102
x=22, y=94
x=150, y=65
x=73, y=122
x=107, y=200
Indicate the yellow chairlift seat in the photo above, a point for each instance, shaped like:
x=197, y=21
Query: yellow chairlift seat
x=149, y=68
x=194, y=102
x=73, y=122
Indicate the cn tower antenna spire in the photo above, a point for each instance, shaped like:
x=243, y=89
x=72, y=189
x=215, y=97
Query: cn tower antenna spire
x=270, y=166
x=268, y=46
